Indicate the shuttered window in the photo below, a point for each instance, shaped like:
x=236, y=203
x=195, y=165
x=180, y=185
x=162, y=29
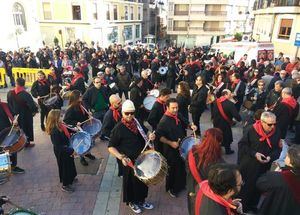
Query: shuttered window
x=285, y=29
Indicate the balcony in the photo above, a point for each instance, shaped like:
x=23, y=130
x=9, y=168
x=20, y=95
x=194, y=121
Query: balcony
x=262, y=4
x=179, y=28
x=181, y=13
x=195, y=28
x=216, y=13
x=213, y=29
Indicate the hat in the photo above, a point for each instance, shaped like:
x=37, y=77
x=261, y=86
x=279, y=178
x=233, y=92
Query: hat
x=100, y=74
x=128, y=106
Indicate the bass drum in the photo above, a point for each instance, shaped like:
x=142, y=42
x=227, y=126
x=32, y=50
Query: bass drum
x=13, y=142
x=186, y=145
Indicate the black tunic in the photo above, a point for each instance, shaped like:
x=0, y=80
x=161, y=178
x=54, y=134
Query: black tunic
x=74, y=115
x=137, y=97
x=280, y=198
x=108, y=123
x=63, y=152
x=210, y=207
x=183, y=104
x=198, y=101
x=78, y=85
x=90, y=97
x=4, y=122
x=219, y=122
x=176, y=178
x=25, y=107
x=283, y=118
x=250, y=168
x=130, y=144
x=155, y=114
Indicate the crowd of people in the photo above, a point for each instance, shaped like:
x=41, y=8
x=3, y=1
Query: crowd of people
x=261, y=96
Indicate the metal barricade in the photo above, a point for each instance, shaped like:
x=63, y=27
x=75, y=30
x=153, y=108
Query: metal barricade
x=29, y=74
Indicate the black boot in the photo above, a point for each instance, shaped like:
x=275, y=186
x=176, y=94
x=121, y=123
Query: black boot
x=83, y=161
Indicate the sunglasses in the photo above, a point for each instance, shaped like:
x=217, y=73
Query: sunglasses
x=129, y=113
x=270, y=124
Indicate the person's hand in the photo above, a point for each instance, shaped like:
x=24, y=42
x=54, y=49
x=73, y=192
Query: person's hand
x=261, y=158
x=238, y=204
x=152, y=136
x=175, y=144
x=125, y=161
x=74, y=154
x=78, y=124
x=4, y=198
x=38, y=97
x=194, y=127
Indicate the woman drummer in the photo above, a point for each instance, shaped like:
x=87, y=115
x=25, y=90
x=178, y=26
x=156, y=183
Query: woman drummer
x=75, y=115
x=60, y=136
x=200, y=158
x=40, y=89
x=183, y=98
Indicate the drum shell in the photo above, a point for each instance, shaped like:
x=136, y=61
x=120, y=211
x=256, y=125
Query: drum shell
x=113, y=87
x=53, y=103
x=186, y=145
x=161, y=171
x=20, y=139
x=154, y=92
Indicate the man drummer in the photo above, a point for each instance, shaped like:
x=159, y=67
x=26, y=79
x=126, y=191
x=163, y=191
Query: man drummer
x=147, y=84
x=170, y=131
x=6, y=120
x=127, y=141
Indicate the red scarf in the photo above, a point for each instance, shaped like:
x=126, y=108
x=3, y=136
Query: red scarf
x=132, y=126
x=116, y=113
x=162, y=103
x=206, y=190
x=234, y=83
x=221, y=110
x=293, y=183
x=260, y=131
x=64, y=128
x=175, y=117
x=6, y=110
x=75, y=78
x=19, y=89
x=43, y=82
x=290, y=102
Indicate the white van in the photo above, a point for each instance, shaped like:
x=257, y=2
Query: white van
x=254, y=50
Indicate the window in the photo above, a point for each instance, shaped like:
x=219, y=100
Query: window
x=126, y=12
x=115, y=12
x=107, y=12
x=19, y=16
x=76, y=12
x=139, y=13
x=285, y=29
x=128, y=32
x=47, y=10
x=131, y=13
x=137, y=31
x=95, y=11
x=113, y=35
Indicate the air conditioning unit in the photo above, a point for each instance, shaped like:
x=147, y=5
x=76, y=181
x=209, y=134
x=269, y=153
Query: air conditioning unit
x=246, y=38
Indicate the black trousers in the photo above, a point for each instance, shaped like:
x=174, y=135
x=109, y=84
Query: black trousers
x=196, y=120
x=125, y=93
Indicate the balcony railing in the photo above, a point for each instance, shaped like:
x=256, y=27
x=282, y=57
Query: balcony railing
x=213, y=29
x=181, y=13
x=180, y=28
x=197, y=12
x=260, y=4
x=194, y=28
x=215, y=13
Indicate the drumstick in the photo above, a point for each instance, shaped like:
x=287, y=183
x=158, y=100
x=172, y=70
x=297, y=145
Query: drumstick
x=44, y=96
x=78, y=145
x=17, y=116
x=147, y=143
x=86, y=120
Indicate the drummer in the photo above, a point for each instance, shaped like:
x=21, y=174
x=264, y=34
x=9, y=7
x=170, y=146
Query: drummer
x=40, y=89
x=77, y=82
x=127, y=140
x=64, y=154
x=147, y=84
x=137, y=97
x=170, y=131
x=6, y=120
x=75, y=115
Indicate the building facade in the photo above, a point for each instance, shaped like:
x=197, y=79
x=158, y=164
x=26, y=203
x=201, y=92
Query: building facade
x=201, y=22
x=102, y=21
x=20, y=25
x=277, y=21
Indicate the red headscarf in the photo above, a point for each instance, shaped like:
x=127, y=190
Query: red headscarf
x=116, y=113
x=175, y=117
x=260, y=131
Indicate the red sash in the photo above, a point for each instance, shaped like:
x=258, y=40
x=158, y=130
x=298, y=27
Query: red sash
x=64, y=128
x=293, y=183
x=221, y=110
x=7, y=111
x=19, y=89
x=193, y=168
x=205, y=190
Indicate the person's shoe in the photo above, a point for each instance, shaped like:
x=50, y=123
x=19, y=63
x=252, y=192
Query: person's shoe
x=83, y=162
x=229, y=151
x=172, y=194
x=135, y=208
x=17, y=170
x=67, y=189
x=90, y=156
x=29, y=145
x=147, y=205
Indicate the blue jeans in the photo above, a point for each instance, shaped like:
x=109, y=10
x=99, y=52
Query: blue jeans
x=283, y=153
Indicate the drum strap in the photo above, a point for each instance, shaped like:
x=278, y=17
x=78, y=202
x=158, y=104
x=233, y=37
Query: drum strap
x=7, y=111
x=140, y=129
x=193, y=168
x=221, y=110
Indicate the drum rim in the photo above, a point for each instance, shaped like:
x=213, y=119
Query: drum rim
x=21, y=132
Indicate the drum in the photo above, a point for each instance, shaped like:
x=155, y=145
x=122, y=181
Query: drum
x=18, y=211
x=65, y=94
x=50, y=102
x=93, y=127
x=151, y=167
x=81, y=142
x=5, y=167
x=14, y=142
x=149, y=102
x=163, y=70
x=114, y=88
x=186, y=145
x=154, y=92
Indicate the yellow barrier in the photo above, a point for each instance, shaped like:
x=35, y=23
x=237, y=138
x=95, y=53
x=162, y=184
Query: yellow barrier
x=2, y=77
x=29, y=74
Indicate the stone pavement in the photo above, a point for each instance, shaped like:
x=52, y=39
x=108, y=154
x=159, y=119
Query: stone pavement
x=100, y=194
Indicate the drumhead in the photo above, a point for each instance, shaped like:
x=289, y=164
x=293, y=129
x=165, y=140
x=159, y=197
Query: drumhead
x=154, y=93
x=7, y=141
x=163, y=70
x=21, y=212
x=4, y=162
x=81, y=142
x=148, y=165
x=149, y=102
x=93, y=126
x=187, y=144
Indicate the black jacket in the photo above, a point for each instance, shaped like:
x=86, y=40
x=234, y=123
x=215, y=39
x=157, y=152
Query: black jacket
x=78, y=85
x=90, y=97
x=198, y=101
